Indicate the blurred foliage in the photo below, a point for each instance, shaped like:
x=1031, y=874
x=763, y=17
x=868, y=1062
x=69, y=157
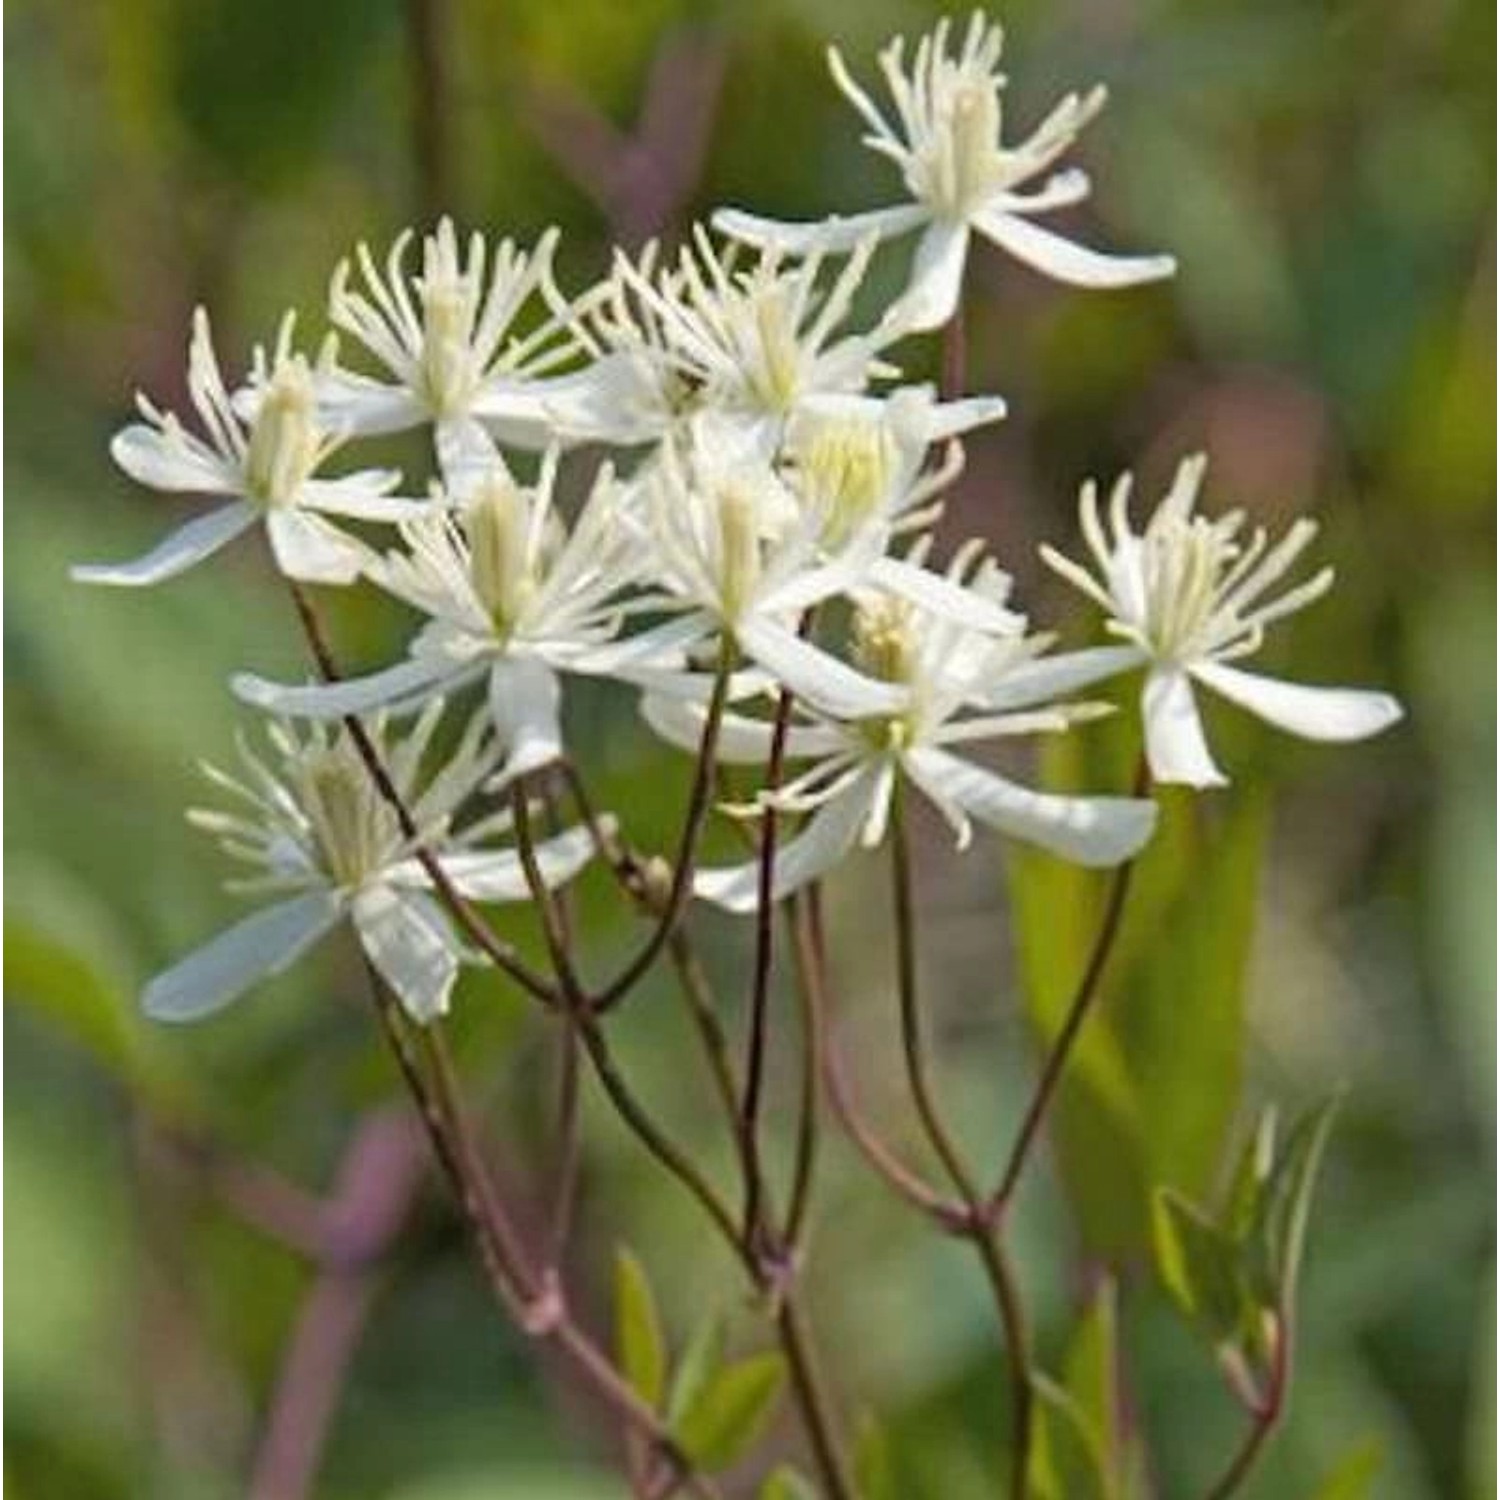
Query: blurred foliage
x=1324, y=172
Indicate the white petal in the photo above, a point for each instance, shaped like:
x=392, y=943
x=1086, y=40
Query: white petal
x=363, y=497
x=949, y=418
x=814, y=675
x=1316, y=713
x=411, y=947
x=497, y=875
x=189, y=544
x=742, y=741
x=146, y=454
x=466, y=454
x=1051, y=677
x=1060, y=258
x=835, y=235
x=937, y=273
x=612, y=401
x=1088, y=830
x=263, y=944
x=1175, y=746
x=310, y=548
x=525, y=704
x=829, y=835
x=661, y=648
x=366, y=408
x=407, y=683
x=937, y=595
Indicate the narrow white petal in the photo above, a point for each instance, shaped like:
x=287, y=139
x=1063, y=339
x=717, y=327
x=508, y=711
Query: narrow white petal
x=1315, y=713
x=525, y=704
x=936, y=595
x=411, y=949
x=836, y=235
x=149, y=457
x=362, y=497
x=404, y=683
x=466, y=454
x=189, y=544
x=612, y=401
x=812, y=674
x=1051, y=677
x=222, y=970
x=364, y=407
x=1175, y=746
x=742, y=741
x=1088, y=830
x=950, y=418
x=829, y=835
x=310, y=548
x=1063, y=260
x=497, y=875
x=931, y=297
x=663, y=647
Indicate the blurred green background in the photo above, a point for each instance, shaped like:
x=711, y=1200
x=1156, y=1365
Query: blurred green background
x=1324, y=173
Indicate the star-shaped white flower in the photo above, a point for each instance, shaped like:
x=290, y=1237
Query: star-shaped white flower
x=749, y=343
x=940, y=669
x=962, y=180
x=1189, y=596
x=446, y=337
x=264, y=467
x=319, y=834
x=513, y=598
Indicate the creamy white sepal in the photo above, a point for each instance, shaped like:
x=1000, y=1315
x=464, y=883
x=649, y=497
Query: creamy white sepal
x=263, y=944
x=151, y=458
x=813, y=674
x=1096, y=831
x=1049, y=677
x=525, y=706
x=308, y=547
x=931, y=298
x=836, y=235
x=182, y=549
x=1065, y=261
x=1315, y=713
x=408, y=941
x=1175, y=746
x=355, y=695
x=830, y=834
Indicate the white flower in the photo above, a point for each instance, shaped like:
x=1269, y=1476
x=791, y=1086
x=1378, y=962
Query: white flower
x=941, y=668
x=750, y=344
x=947, y=145
x=446, y=337
x=857, y=461
x=733, y=555
x=513, y=597
x=264, y=467
x=1188, y=594
x=319, y=834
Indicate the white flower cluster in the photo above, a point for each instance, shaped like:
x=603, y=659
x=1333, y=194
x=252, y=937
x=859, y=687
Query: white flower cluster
x=773, y=477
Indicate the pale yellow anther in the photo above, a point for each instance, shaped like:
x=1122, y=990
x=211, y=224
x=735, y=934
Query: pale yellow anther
x=285, y=438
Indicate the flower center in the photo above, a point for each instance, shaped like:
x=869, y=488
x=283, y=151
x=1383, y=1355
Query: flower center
x=1181, y=565
x=355, y=829
x=447, y=321
x=845, y=471
x=884, y=638
x=739, y=546
x=285, y=438
x=779, y=375
x=957, y=170
x=502, y=567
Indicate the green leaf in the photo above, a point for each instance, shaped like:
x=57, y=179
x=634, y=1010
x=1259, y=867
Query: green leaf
x=787, y=1484
x=638, y=1337
x=1252, y=1171
x=1288, y=1199
x=699, y=1362
x=1201, y=1267
x=1071, y=1462
x=728, y=1413
x=1354, y=1474
x=1091, y=1378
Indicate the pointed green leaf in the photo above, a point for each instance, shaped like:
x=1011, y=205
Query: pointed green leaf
x=699, y=1363
x=1200, y=1266
x=1074, y=1465
x=1289, y=1198
x=1091, y=1377
x=728, y=1413
x=1353, y=1476
x=639, y=1343
x=1252, y=1171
